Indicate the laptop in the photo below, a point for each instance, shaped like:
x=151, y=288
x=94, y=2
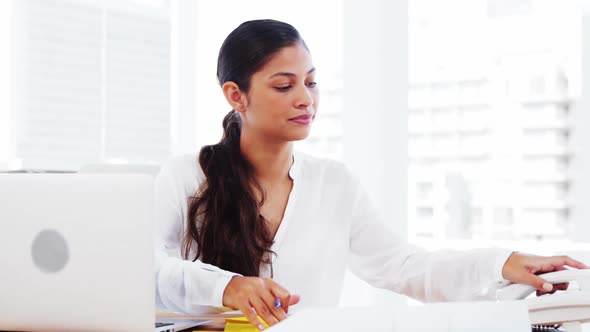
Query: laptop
x=77, y=253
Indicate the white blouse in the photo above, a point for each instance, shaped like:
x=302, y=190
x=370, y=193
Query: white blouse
x=329, y=224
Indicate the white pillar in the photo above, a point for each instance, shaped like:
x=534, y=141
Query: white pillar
x=375, y=102
x=375, y=124
x=183, y=76
x=6, y=84
x=580, y=141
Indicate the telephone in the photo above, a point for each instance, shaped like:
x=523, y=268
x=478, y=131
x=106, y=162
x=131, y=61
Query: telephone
x=569, y=308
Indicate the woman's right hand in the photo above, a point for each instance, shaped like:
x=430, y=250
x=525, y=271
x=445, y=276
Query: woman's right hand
x=257, y=297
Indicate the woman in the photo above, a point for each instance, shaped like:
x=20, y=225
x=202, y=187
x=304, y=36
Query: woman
x=249, y=223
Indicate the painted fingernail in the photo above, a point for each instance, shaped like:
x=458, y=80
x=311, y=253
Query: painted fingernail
x=277, y=303
x=547, y=287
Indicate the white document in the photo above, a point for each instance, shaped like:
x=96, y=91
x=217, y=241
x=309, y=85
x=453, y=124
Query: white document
x=478, y=316
x=511, y=316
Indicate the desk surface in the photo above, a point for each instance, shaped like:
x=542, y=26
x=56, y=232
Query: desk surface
x=220, y=325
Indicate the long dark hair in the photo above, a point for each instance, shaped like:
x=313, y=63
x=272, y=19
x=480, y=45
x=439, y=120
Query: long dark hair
x=224, y=215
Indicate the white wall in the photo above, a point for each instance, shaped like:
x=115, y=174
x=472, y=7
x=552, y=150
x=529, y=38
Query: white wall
x=580, y=137
x=375, y=101
x=183, y=75
x=375, y=112
x=6, y=141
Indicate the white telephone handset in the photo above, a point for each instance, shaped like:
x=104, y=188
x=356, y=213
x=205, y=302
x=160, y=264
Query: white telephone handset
x=568, y=308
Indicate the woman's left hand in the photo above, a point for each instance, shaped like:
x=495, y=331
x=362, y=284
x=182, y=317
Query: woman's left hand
x=524, y=269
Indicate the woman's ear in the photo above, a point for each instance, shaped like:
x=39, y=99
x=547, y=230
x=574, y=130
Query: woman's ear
x=234, y=96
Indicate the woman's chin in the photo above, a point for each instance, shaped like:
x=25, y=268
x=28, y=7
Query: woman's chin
x=299, y=136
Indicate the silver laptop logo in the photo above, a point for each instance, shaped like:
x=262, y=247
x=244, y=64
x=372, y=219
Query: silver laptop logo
x=50, y=251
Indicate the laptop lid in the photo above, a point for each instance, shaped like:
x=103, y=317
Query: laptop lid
x=77, y=252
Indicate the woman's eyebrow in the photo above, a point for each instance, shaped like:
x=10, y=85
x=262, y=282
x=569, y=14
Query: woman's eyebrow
x=282, y=73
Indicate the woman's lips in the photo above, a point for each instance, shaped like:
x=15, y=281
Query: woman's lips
x=304, y=119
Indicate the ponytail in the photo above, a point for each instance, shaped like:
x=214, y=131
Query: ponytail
x=224, y=216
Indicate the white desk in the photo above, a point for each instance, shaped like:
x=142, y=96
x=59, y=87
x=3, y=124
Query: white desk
x=442, y=317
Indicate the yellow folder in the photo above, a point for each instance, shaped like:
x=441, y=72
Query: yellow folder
x=241, y=324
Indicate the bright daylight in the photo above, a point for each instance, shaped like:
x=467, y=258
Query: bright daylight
x=194, y=165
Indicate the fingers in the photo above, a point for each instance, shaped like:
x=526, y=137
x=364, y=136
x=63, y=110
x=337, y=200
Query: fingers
x=543, y=286
x=271, y=302
x=251, y=315
x=529, y=269
x=539, y=283
x=282, y=297
x=556, y=287
x=263, y=310
x=560, y=261
x=259, y=299
x=294, y=299
x=276, y=312
x=540, y=265
x=574, y=263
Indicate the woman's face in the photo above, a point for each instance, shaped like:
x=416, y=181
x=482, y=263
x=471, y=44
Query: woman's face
x=283, y=98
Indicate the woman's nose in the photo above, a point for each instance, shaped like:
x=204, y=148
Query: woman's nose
x=304, y=98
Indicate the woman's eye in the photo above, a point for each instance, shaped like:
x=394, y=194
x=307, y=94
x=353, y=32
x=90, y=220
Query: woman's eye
x=312, y=84
x=283, y=88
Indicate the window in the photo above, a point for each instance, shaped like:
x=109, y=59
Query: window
x=93, y=79
x=93, y=82
x=6, y=83
x=491, y=114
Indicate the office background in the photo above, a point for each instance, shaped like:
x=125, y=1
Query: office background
x=467, y=120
